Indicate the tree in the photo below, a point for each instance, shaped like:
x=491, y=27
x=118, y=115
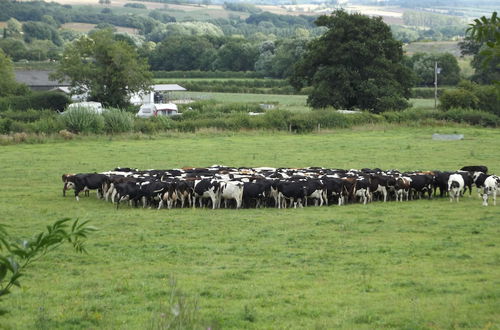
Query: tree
x=41, y=31
x=288, y=52
x=13, y=29
x=236, y=55
x=109, y=70
x=16, y=255
x=356, y=63
x=183, y=53
x=8, y=83
x=423, y=64
x=484, y=34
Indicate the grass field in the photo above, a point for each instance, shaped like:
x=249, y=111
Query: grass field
x=433, y=47
x=415, y=265
x=286, y=102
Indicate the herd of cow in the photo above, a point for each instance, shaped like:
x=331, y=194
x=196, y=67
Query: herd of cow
x=221, y=186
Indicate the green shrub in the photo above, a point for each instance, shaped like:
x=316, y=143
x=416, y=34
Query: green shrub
x=50, y=100
x=488, y=99
x=162, y=123
x=425, y=92
x=35, y=100
x=117, y=121
x=144, y=125
x=47, y=125
x=82, y=120
x=135, y=5
x=277, y=119
x=472, y=117
x=5, y=125
x=458, y=98
x=29, y=115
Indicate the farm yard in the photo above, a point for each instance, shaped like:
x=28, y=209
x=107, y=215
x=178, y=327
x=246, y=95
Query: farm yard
x=418, y=264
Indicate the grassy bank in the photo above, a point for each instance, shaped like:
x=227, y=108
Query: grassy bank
x=421, y=264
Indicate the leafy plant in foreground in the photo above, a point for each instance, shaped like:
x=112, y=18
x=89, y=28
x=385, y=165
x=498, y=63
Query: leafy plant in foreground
x=16, y=256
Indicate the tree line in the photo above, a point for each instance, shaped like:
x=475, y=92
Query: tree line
x=355, y=63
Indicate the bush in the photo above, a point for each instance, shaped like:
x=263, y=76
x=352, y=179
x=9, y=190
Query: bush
x=47, y=125
x=117, y=121
x=153, y=125
x=82, y=120
x=488, y=99
x=162, y=123
x=29, y=115
x=458, y=98
x=36, y=100
x=5, y=125
x=472, y=117
x=425, y=92
x=135, y=5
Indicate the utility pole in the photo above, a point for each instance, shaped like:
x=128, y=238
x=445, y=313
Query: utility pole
x=436, y=72
x=435, y=85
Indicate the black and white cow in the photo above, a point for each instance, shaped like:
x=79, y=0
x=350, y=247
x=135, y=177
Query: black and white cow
x=293, y=191
x=455, y=186
x=206, y=188
x=491, y=187
x=231, y=190
x=476, y=168
x=86, y=181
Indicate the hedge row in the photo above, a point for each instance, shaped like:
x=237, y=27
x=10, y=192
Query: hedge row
x=116, y=121
x=35, y=100
x=255, y=86
x=206, y=74
x=426, y=92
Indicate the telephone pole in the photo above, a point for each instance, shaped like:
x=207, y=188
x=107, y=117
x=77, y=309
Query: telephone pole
x=435, y=85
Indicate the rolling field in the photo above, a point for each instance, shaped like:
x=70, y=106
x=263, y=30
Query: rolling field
x=415, y=265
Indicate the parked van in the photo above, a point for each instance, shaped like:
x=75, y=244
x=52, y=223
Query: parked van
x=157, y=109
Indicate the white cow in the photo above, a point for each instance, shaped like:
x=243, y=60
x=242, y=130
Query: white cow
x=491, y=186
x=455, y=186
x=231, y=190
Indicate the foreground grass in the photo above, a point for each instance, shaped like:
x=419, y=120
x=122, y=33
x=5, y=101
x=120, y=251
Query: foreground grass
x=422, y=264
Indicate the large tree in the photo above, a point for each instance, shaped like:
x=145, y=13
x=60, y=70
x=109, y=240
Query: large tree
x=356, y=63
x=483, y=42
x=8, y=83
x=109, y=70
x=423, y=64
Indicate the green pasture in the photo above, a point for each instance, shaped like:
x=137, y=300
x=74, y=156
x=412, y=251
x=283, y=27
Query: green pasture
x=412, y=265
x=285, y=102
x=433, y=47
x=295, y=103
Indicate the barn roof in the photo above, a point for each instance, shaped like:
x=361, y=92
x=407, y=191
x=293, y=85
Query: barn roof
x=168, y=88
x=37, y=78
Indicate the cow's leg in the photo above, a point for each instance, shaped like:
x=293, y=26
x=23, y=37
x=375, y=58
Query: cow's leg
x=214, y=201
x=485, y=199
x=113, y=195
x=495, y=197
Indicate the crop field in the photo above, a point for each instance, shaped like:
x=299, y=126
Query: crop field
x=433, y=47
x=416, y=265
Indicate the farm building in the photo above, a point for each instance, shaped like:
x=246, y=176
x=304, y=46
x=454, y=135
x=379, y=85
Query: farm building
x=38, y=80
